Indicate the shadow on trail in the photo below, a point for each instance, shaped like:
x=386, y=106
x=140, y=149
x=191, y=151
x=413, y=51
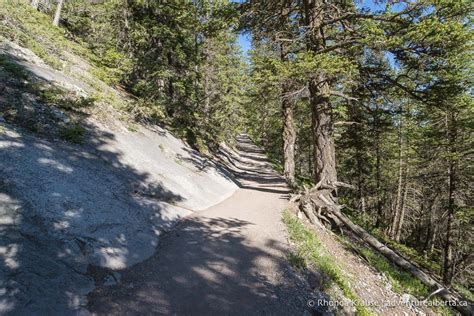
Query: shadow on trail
x=254, y=171
x=177, y=280
x=247, y=167
x=210, y=265
x=65, y=208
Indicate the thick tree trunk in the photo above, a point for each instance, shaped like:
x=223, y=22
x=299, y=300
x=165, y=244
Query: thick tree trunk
x=322, y=130
x=287, y=102
x=320, y=90
x=289, y=133
x=57, y=15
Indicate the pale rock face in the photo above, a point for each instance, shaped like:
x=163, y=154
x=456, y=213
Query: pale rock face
x=65, y=207
x=103, y=205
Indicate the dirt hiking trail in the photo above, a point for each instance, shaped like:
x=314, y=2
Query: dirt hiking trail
x=227, y=259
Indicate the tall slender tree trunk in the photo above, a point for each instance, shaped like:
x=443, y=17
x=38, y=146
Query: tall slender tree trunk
x=380, y=215
x=401, y=218
x=289, y=133
x=398, y=203
x=207, y=89
x=431, y=233
x=360, y=182
x=124, y=35
x=57, y=15
x=207, y=71
x=448, y=269
x=289, y=139
x=321, y=122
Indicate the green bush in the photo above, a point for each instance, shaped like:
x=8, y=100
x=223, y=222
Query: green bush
x=66, y=100
x=74, y=133
x=13, y=68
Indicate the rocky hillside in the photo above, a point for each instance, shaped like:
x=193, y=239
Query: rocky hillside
x=82, y=187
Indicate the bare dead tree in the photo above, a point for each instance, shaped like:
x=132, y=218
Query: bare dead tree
x=57, y=15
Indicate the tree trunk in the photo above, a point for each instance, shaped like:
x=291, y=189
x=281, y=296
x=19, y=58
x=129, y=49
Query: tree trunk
x=207, y=71
x=289, y=133
x=207, y=89
x=380, y=215
x=321, y=121
x=322, y=129
x=289, y=138
x=431, y=232
x=398, y=230
x=310, y=158
x=57, y=15
x=398, y=203
x=448, y=269
x=287, y=102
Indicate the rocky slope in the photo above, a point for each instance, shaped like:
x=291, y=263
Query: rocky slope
x=68, y=208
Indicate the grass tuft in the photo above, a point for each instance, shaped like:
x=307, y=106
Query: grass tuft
x=73, y=133
x=309, y=251
x=13, y=68
x=66, y=100
x=296, y=261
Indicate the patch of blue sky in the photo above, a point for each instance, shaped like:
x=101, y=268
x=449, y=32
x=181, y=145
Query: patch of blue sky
x=244, y=40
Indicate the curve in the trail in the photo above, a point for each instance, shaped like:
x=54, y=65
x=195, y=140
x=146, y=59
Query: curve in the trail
x=227, y=259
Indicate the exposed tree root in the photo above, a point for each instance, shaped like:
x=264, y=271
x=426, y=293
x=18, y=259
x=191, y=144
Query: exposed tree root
x=321, y=208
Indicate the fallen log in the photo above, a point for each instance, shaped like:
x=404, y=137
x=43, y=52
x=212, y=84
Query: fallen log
x=316, y=199
x=460, y=304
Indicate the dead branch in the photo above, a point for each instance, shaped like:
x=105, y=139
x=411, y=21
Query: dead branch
x=342, y=95
x=345, y=185
x=345, y=123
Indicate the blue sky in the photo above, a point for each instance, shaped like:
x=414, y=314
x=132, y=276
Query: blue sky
x=244, y=41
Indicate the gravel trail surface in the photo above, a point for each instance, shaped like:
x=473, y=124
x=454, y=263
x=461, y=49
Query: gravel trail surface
x=227, y=259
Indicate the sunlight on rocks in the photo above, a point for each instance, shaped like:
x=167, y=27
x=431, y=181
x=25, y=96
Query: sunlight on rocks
x=8, y=254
